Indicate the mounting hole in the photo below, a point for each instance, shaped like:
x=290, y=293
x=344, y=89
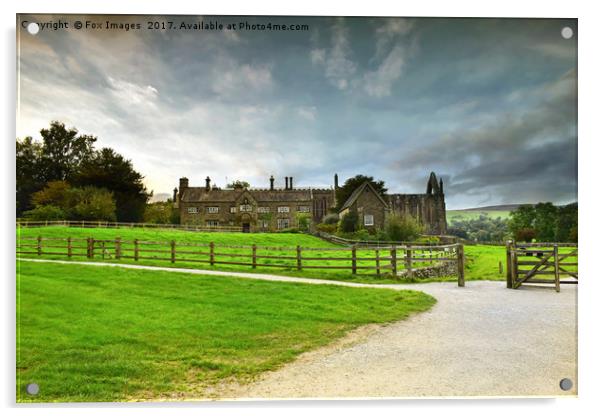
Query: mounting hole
x=566, y=384
x=566, y=32
x=33, y=28
x=33, y=389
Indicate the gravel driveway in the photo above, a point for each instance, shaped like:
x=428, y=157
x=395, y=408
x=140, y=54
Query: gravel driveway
x=480, y=340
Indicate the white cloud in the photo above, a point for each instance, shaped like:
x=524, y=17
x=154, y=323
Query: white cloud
x=308, y=113
x=338, y=66
x=378, y=83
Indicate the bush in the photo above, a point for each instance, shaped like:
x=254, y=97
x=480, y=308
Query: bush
x=291, y=230
x=402, y=228
x=45, y=213
x=525, y=234
x=90, y=203
x=349, y=222
x=303, y=222
x=327, y=228
x=363, y=235
x=331, y=219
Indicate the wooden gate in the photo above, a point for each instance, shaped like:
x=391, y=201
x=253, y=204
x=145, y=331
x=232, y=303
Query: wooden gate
x=543, y=263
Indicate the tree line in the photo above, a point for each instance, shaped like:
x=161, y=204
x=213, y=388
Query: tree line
x=64, y=176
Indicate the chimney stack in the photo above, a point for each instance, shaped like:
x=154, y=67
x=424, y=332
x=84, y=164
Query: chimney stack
x=183, y=186
x=207, y=183
x=290, y=183
x=175, y=194
x=286, y=182
x=336, y=181
x=271, y=182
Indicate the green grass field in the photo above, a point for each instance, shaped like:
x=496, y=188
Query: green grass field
x=452, y=215
x=87, y=333
x=241, y=239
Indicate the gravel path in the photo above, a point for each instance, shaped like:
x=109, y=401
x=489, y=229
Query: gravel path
x=480, y=340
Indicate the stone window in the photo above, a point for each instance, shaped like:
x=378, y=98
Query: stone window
x=264, y=224
x=246, y=208
x=232, y=210
x=303, y=208
x=212, y=223
x=284, y=209
x=368, y=219
x=283, y=223
x=263, y=209
x=212, y=210
x=193, y=210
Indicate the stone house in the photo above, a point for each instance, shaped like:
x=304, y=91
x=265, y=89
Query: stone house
x=273, y=208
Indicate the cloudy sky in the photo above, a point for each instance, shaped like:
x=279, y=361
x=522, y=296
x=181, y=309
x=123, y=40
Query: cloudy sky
x=488, y=104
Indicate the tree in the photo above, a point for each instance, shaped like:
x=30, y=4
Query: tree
x=349, y=223
x=63, y=151
x=45, y=213
x=108, y=169
x=521, y=218
x=546, y=215
x=402, y=227
x=344, y=192
x=54, y=193
x=566, y=223
x=90, y=203
x=160, y=213
x=239, y=184
x=29, y=178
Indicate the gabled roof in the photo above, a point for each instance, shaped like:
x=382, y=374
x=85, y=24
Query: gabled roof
x=358, y=191
x=200, y=194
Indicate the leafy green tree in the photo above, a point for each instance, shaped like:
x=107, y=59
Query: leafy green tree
x=159, y=213
x=46, y=213
x=402, y=227
x=567, y=224
x=108, y=169
x=303, y=221
x=349, y=222
x=29, y=177
x=521, y=218
x=546, y=215
x=344, y=192
x=54, y=193
x=90, y=203
x=239, y=184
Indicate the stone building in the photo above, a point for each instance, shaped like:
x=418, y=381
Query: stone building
x=269, y=209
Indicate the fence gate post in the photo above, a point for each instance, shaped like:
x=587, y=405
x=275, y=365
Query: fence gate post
x=394, y=260
x=173, y=251
x=410, y=273
x=136, y=249
x=254, y=253
x=298, y=257
x=377, y=256
x=460, y=255
x=211, y=253
x=353, y=259
x=556, y=268
x=509, y=282
x=69, y=247
x=39, y=245
x=118, y=248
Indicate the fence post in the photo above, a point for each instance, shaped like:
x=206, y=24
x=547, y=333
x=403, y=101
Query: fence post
x=353, y=259
x=254, y=248
x=39, y=245
x=299, y=258
x=460, y=255
x=509, y=282
x=69, y=247
x=118, y=248
x=377, y=257
x=394, y=260
x=136, y=249
x=173, y=251
x=211, y=253
x=556, y=268
x=410, y=273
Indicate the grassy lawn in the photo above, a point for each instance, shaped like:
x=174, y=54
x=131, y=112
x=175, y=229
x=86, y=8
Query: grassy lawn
x=482, y=262
x=86, y=333
x=321, y=249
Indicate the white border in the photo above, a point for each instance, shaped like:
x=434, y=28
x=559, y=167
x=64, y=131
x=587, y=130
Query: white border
x=590, y=347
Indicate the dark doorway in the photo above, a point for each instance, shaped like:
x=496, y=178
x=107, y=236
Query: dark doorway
x=246, y=227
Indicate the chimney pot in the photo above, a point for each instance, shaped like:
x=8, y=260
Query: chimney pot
x=286, y=182
x=271, y=182
x=208, y=183
x=290, y=183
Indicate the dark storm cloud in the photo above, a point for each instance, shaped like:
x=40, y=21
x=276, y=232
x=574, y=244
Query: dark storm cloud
x=489, y=104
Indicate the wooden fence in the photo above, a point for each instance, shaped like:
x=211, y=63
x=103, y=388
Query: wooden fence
x=391, y=260
x=528, y=262
x=108, y=224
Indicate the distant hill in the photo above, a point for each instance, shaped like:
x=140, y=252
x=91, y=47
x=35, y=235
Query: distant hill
x=507, y=207
x=492, y=211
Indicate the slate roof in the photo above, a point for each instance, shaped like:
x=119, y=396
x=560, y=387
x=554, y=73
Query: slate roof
x=358, y=191
x=200, y=194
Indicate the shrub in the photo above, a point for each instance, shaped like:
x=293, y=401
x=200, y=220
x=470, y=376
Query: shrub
x=362, y=235
x=45, y=213
x=402, y=228
x=327, y=228
x=349, y=222
x=90, y=203
x=303, y=222
x=525, y=234
x=331, y=219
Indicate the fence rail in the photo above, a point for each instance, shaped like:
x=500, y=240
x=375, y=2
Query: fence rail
x=391, y=260
x=541, y=259
x=108, y=224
